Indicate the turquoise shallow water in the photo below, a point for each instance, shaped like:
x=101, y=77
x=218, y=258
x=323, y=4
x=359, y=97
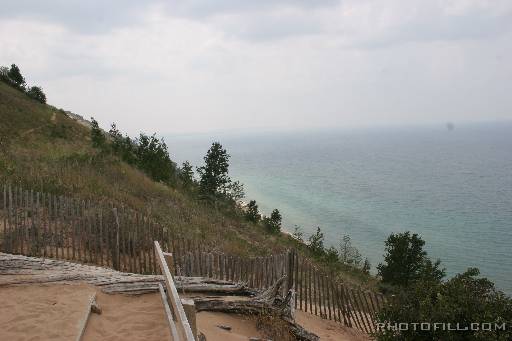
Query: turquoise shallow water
x=454, y=188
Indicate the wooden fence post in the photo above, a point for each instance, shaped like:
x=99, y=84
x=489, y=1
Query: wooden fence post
x=115, y=256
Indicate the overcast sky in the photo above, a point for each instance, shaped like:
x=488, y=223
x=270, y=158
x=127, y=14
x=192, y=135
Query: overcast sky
x=197, y=65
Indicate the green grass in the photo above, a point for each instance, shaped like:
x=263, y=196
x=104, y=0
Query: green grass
x=42, y=148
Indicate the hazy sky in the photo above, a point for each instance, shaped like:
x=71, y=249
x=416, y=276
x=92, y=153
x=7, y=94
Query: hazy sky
x=197, y=65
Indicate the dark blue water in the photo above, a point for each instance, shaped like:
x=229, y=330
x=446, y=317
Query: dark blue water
x=454, y=188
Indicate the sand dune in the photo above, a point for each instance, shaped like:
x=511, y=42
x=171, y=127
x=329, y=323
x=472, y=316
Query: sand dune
x=128, y=318
x=42, y=312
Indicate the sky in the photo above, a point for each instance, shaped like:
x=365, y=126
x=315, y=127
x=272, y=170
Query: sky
x=178, y=67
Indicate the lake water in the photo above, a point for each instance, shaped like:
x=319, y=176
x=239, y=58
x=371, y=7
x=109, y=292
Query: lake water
x=454, y=188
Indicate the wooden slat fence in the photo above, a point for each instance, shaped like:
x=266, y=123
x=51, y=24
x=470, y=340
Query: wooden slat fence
x=46, y=225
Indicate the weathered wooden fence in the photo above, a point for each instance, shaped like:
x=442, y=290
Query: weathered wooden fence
x=46, y=225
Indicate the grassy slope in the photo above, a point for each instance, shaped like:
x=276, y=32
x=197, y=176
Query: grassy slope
x=41, y=148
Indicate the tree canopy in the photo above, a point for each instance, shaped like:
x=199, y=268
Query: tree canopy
x=461, y=301
x=187, y=174
x=252, y=213
x=273, y=223
x=16, y=77
x=37, y=93
x=405, y=260
x=97, y=137
x=214, y=174
x=153, y=158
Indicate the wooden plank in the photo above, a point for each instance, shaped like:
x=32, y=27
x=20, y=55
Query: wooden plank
x=321, y=296
x=358, y=310
x=308, y=291
x=5, y=245
x=368, y=315
x=371, y=311
x=67, y=227
x=341, y=305
x=138, y=249
x=350, y=307
x=190, y=311
x=373, y=302
x=168, y=314
x=83, y=322
x=115, y=257
x=173, y=294
x=353, y=308
x=316, y=291
x=9, y=220
x=334, y=298
x=325, y=284
x=303, y=287
x=296, y=277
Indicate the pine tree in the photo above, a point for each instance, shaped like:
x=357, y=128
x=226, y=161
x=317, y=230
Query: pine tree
x=187, y=174
x=273, y=223
x=252, y=213
x=97, y=137
x=214, y=174
x=16, y=77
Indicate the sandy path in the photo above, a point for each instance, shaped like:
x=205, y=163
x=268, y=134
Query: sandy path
x=42, y=312
x=128, y=318
x=328, y=330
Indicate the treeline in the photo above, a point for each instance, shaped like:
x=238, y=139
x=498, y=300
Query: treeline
x=14, y=78
x=214, y=186
x=147, y=152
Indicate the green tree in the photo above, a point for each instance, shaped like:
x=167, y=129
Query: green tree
x=235, y=191
x=37, y=93
x=153, y=158
x=460, y=301
x=273, y=223
x=16, y=77
x=116, y=139
x=252, y=213
x=187, y=174
x=97, y=137
x=405, y=260
x=316, y=242
x=214, y=177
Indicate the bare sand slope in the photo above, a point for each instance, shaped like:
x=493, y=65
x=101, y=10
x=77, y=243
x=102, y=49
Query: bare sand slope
x=328, y=330
x=54, y=311
x=242, y=327
x=42, y=312
x=126, y=318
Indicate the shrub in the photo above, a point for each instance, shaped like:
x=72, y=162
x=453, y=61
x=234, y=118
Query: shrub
x=316, y=242
x=252, y=213
x=273, y=223
x=187, y=174
x=37, y=93
x=406, y=261
x=214, y=174
x=153, y=158
x=460, y=301
x=97, y=137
